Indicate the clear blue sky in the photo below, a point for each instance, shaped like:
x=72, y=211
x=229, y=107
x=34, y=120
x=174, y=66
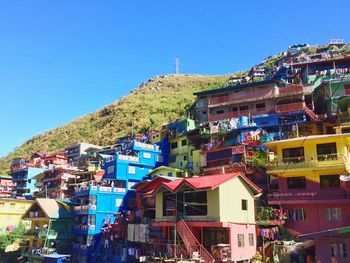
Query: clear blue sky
x=62, y=59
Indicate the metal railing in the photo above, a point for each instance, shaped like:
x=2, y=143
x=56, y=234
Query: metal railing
x=191, y=242
x=325, y=160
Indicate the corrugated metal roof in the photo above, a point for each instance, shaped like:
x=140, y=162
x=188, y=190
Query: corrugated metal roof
x=52, y=208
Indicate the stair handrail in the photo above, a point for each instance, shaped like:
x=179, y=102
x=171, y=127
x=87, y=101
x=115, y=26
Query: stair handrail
x=202, y=250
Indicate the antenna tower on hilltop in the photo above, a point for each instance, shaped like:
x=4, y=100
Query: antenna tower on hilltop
x=177, y=65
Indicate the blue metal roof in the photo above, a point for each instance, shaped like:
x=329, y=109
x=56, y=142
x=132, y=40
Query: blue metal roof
x=234, y=87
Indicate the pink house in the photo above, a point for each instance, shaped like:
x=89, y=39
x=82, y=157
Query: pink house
x=214, y=216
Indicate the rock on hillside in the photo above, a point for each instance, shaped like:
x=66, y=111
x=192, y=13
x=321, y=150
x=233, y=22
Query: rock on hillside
x=161, y=99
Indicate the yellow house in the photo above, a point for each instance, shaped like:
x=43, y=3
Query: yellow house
x=216, y=209
x=167, y=171
x=179, y=152
x=305, y=181
x=11, y=212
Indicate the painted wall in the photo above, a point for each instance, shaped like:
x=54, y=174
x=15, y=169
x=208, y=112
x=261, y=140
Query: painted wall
x=316, y=217
x=247, y=251
x=231, y=204
x=323, y=249
x=11, y=212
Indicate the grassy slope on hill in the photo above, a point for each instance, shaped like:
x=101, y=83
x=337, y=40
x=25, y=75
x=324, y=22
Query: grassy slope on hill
x=160, y=100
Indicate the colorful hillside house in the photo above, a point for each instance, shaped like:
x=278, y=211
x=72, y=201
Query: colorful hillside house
x=50, y=231
x=11, y=212
x=204, y=215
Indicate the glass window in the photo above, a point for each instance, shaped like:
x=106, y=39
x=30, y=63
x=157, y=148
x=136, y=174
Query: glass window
x=120, y=184
x=92, y=199
x=244, y=204
x=333, y=214
x=334, y=249
x=172, y=158
x=293, y=155
x=92, y=220
x=243, y=108
x=183, y=142
x=260, y=106
x=327, y=181
x=170, y=174
x=251, y=240
x=342, y=250
x=185, y=157
x=147, y=155
x=110, y=169
x=240, y=238
x=297, y=214
x=326, y=151
x=173, y=145
x=132, y=169
x=296, y=182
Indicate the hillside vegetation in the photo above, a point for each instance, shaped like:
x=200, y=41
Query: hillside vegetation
x=161, y=99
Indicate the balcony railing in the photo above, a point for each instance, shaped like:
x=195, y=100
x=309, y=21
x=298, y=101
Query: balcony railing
x=291, y=107
x=256, y=95
x=326, y=160
x=99, y=188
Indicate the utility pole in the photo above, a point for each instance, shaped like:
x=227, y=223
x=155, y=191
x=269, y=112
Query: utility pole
x=177, y=66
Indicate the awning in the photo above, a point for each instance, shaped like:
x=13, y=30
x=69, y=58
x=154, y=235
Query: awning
x=336, y=232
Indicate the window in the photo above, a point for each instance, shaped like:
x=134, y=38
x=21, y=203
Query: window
x=195, y=203
x=240, y=238
x=260, y=106
x=296, y=182
x=219, y=111
x=333, y=214
x=92, y=220
x=244, y=204
x=185, y=157
x=342, y=250
x=92, y=199
x=183, y=142
x=120, y=184
x=334, y=249
x=160, y=158
x=326, y=151
x=132, y=169
x=170, y=174
x=243, y=108
x=251, y=240
x=131, y=184
x=110, y=169
x=147, y=155
x=204, y=112
x=173, y=145
x=234, y=109
x=172, y=158
x=29, y=181
x=297, y=214
x=293, y=155
x=329, y=181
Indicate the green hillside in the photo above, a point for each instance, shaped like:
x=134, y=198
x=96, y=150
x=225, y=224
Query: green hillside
x=160, y=100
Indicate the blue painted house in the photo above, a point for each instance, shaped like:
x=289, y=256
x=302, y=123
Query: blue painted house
x=97, y=203
x=23, y=176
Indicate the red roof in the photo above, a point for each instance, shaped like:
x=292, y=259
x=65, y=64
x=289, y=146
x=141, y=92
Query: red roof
x=151, y=186
x=209, y=182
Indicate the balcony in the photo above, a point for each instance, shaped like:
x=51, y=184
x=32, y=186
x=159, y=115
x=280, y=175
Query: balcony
x=95, y=189
x=237, y=114
x=290, y=107
x=328, y=194
x=321, y=161
x=243, y=96
x=84, y=209
x=259, y=94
